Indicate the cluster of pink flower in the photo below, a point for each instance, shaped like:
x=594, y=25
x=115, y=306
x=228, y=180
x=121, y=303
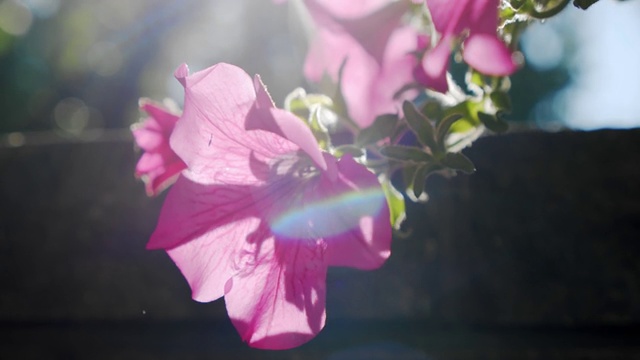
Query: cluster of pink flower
x=258, y=209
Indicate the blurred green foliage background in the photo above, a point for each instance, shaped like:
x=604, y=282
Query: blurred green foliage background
x=78, y=67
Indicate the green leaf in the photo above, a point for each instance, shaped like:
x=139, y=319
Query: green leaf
x=347, y=149
x=406, y=153
x=382, y=127
x=476, y=78
x=319, y=131
x=443, y=127
x=408, y=175
x=419, y=179
x=295, y=103
x=492, y=122
x=420, y=175
x=457, y=161
x=420, y=125
x=395, y=200
x=432, y=109
x=469, y=121
x=501, y=100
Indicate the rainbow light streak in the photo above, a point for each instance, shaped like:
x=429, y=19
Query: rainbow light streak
x=329, y=217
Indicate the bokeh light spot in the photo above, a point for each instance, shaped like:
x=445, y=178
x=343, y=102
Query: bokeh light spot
x=71, y=115
x=15, y=139
x=543, y=46
x=15, y=18
x=42, y=8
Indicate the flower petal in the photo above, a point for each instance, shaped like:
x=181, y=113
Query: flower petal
x=148, y=135
x=347, y=9
x=279, y=301
x=165, y=119
x=192, y=210
x=211, y=137
x=449, y=16
x=435, y=64
x=374, y=47
x=368, y=242
x=204, y=229
x=488, y=54
x=156, y=183
x=266, y=117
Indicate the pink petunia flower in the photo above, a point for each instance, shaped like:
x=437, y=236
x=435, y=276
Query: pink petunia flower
x=482, y=49
x=159, y=166
x=378, y=50
x=261, y=211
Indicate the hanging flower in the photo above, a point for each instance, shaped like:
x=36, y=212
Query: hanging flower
x=377, y=50
x=159, y=166
x=261, y=212
x=482, y=48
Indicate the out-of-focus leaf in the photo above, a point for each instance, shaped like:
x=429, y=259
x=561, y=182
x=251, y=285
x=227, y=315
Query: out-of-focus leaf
x=395, y=200
x=420, y=125
x=443, y=126
x=584, y=4
x=476, y=78
x=348, y=149
x=419, y=180
x=319, y=131
x=382, y=127
x=457, y=161
x=432, y=109
x=406, y=153
x=501, y=100
x=493, y=123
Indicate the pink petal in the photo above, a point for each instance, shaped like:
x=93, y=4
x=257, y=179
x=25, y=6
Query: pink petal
x=154, y=159
x=346, y=9
x=484, y=16
x=368, y=242
x=169, y=174
x=350, y=213
x=166, y=120
x=450, y=17
x=279, y=301
x=488, y=54
x=376, y=51
x=435, y=64
x=204, y=229
x=208, y=261
x=191, y=210
x=148, y=135
x=266, y=117
x=211, y=136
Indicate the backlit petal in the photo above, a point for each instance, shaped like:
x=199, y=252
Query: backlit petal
x=435, y=64
x=488, y=54
x=211, y=136
x=279, y=301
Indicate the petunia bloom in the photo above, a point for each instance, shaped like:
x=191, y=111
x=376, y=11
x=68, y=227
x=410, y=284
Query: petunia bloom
x=377, y=50
x=261, y=212
x=159, y=166
x=482, y=49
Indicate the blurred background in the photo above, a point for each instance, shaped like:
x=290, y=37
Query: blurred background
x=77, y=68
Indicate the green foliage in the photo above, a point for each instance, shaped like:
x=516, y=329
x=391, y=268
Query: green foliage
x=406, y=154
x=395, y=200
x=382, y=127
x=420, y=125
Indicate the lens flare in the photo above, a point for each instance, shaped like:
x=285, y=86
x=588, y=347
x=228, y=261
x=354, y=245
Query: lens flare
x=328, y=217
